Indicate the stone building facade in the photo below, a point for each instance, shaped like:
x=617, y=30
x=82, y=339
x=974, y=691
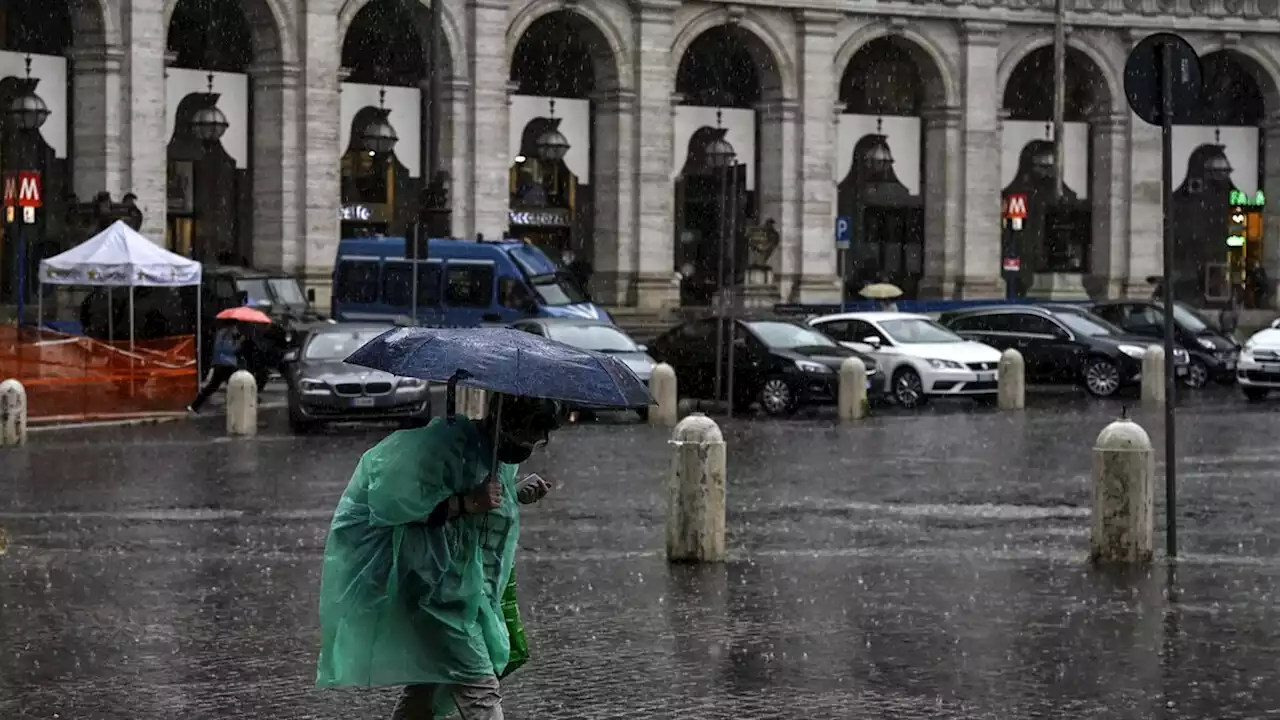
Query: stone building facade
x=964, y=52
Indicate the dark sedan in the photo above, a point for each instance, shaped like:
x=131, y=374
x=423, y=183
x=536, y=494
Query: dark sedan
x=323, y=388
x=1213, y=355
x=1061, y=344
x=780, y=364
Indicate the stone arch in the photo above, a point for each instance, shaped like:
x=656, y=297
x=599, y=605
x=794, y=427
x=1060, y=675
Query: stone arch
x=1109, y=75
x=269, y=29
x=95, y=22
x=1261, y=65
x=765, y=47
x=85, y=24
x=455, y=64
x=936, y=70
x=610, y=52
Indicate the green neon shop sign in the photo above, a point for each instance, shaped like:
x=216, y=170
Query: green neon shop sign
x=1242, y=199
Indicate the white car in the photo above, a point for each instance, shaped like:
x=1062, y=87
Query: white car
x=919, y=357
x=1258, y=368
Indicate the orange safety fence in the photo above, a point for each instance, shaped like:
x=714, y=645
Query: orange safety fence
x=70, y=377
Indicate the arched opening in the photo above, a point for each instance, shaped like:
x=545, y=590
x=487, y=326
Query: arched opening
x=1048, y=252
x=1215, y=161
x=725, y=73
x=40, y=31
x=880, y=172
x=209, y=187
x=559, y=142
x=384, y=113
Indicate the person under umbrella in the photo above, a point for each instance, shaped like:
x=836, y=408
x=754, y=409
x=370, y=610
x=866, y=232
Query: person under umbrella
x=228, y=357
x=420, y=549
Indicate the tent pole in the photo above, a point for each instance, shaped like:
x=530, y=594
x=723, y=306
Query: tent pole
x=111, y=318
x=199, y=332
x=40, y=310
x=131, y=340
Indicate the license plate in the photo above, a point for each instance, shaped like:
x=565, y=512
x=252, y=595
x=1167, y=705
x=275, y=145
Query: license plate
x=1270, y=368
x=986, y=377
x=1231, y=364
x=1181, y=370
x=362, y=402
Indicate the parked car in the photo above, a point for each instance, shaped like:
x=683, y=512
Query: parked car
x=595, y=335
x=323, y=388
x=1061, y=344
x=781, y=364
x=1258, y=370
x=919, y=357
x=1213, y=355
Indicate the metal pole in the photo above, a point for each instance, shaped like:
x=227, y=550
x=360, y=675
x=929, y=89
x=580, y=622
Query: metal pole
x=413, y=268
x=1166, y=177
x=435, y=88
x=733, y=284
x=1059, y=95
x=720, y=247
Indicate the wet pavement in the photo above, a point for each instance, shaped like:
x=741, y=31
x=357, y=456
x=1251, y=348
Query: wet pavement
x=925, y=566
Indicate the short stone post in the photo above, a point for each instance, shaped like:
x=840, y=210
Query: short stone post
x=851, y=401
x=13, y=413
x=472, y=402
x=1153, y=376
x=1123, y=503
x=1011, y=382
x=242, y=404
x=662, y=386
x=695, y=492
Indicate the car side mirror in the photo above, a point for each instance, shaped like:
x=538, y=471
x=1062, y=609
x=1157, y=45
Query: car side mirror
x=529, y=306
x=740, y=342
x=642, y=348
x=1275, y=323
x=291, y=356
x=871, y=340
x=311, y=295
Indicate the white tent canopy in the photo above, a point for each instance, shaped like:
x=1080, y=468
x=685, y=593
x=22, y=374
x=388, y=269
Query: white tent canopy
x=120, y=257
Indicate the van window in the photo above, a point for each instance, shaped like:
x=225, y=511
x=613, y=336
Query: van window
x=469, y=286
x=397, y=284
x=357, y=281
x=513, y=294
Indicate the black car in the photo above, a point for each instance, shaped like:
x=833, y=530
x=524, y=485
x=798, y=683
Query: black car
x=1061, y=344
x=781, y=364
x=1213, y=355
x=323, y=388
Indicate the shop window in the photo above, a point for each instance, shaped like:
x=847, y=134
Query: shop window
x=469, y=286
x=356, y=282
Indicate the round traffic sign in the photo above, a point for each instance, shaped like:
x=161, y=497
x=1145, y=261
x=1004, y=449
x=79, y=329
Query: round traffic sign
x=1142, y=79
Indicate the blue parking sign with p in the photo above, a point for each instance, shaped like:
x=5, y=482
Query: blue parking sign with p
x=844, y=232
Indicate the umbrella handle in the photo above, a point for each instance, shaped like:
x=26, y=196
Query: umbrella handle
x=451, y=395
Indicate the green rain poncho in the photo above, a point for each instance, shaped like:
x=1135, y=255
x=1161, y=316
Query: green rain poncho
x=402, y=603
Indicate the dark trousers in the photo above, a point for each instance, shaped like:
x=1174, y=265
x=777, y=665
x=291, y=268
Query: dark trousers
x=476, y=700
x=218, y=377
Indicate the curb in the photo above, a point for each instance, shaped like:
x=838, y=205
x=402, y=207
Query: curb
x=134, y=422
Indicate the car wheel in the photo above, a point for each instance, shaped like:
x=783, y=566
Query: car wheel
x=1197, y=374
x=908, y=389
x=1253, y=394
x=1101, y=377
x=777, y=397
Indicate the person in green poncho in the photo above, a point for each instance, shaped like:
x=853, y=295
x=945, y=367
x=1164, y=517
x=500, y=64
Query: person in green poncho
x=419, y=552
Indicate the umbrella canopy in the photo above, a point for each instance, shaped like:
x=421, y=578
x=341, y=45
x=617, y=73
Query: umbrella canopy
x=508, y=361
x=881, y=291
x=245, y=314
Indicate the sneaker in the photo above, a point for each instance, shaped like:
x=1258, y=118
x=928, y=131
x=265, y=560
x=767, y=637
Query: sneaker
x=192, y=411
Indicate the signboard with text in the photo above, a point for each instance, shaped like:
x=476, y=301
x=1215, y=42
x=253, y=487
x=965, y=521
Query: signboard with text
x=23, y=189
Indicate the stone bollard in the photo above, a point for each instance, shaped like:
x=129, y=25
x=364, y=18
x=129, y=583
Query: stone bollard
x=662, y=386
x=1123, y=504
x=851, y=400
x=1011, y=382
x=1153, y=376
x=13, y=413
x=242, y=404
x=472, y=402
x=695, y=492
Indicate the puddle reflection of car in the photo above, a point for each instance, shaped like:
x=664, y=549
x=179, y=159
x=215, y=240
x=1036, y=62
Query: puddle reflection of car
x=595, y=335
x=324, y=389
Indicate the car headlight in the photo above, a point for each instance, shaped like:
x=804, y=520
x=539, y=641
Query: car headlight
x=313, y=387
x=1206, y=343
x=812, y=367
x=1133, y=351
x=1247, y=349
x=411, y=383
x=944, y=364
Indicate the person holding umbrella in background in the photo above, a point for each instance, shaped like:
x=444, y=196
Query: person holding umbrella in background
x=231, y=350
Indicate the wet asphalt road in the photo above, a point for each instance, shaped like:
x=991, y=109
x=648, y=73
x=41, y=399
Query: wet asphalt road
x=912, y=567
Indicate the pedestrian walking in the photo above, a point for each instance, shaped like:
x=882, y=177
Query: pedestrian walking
x=419, y=555
x=228, y=357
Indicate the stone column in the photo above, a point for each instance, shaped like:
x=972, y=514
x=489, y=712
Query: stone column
x=96, y=79
x=777, y=195
x=1108, y=201
x=275, y=168
x=1271, y=213
x=490, y=185
x=455, y=145
x=980, y=150
x=319, y=157
x=613, y=170
x=814, y=257
x=145, y=143
x=1146, y=200
x=654, y=285
x=944, y=197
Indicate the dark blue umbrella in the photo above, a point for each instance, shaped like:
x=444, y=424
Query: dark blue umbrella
x=508, y=361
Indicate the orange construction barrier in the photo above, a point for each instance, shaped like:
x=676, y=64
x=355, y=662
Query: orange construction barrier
x=70, y=377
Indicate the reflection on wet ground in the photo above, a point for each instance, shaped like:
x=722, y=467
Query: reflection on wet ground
x=923, y=566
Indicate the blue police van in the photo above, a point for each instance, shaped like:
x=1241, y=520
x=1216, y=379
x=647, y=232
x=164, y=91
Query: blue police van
x=460, y=283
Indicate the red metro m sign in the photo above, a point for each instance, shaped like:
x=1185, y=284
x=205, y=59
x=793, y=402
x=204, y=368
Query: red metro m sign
x=22, y=189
